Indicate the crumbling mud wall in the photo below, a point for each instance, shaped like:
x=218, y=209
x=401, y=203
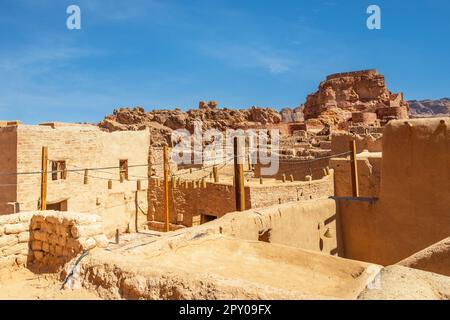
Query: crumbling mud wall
x=14, y=239
x=413, y=210
x=309, y=225
x=188, y=200
x=435, y=258
x=269, y=194
x=46, y=240
x=298, y=169
x=340, y=142
x=369, y=175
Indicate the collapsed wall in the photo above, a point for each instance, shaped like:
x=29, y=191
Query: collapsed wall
x=46, y=240
x=435, y=258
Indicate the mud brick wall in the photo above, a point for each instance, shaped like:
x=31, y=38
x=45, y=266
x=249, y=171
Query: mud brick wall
x=14, y=239
x=46, y=240
x=56, y=238
x=187, y=201
x=299, y=169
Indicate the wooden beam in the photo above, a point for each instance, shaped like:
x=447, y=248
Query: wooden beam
x=44, y=167
x=354, y=169
x=216, y=174
x=238, y=178
x=166, y=189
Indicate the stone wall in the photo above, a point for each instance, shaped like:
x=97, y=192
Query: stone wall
x=299, y=169
x=81, y=147
x=272, y=193
x=46, y=240
x=340, y=143
x=190, y=199
x=56, y=238
x=365, y=118
x=14, y=239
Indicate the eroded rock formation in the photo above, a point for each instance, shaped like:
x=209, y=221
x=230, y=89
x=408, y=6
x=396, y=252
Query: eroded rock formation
x=162, y=122
x=360, y=91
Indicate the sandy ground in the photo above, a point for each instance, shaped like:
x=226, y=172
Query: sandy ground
x=24, y=285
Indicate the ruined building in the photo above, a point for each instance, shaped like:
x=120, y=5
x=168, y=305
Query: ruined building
x=343, y=96
x=117, y=161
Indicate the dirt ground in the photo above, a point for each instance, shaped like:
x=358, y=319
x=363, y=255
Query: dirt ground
x=21, y=283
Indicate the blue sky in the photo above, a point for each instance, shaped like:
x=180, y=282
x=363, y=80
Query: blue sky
x=167, y=54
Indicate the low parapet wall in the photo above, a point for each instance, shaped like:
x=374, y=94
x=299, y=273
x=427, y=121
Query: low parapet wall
x=47, y=240
x=309, y=225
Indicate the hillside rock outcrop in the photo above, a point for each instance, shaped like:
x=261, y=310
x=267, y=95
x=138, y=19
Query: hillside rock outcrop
x=292, y=115
x=343, y=93
x=163, y=122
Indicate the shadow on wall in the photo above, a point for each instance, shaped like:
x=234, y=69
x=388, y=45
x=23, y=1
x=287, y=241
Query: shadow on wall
x=413, y=210
x=309, y=225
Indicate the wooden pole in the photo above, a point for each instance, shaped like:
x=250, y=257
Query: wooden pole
x=44, y=161
x=354, y=169
x=216, y=174
x=166, y=189
x=86, y=177
x=238, y=178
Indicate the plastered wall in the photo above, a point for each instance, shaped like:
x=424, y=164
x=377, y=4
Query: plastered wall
x=413, y=210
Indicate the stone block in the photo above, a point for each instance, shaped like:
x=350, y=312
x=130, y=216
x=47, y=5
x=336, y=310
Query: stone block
x=7, y=262
x=15, y=249
x=16, y=228
x=40, y=235
x=38, y=255
x=88, y=244
x=22, y=260
x=101, y=240
x=8, y=240
x=24, y=236
x=45, y=247
x=36, y=245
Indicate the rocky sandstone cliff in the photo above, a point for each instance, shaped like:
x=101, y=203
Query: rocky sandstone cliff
x=162, y=122
x=343, y=93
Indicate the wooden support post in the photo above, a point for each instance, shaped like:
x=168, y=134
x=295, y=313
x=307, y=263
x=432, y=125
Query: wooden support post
x=203, y=183
x=138, y=185
x=109, y=184
x=260, y=180
x=354, y=169
x=117, y=236
x=174, y=182
x=166, y=189
x=86, y=177
x=44, y=162
x=216, y=174
x=238, y=178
